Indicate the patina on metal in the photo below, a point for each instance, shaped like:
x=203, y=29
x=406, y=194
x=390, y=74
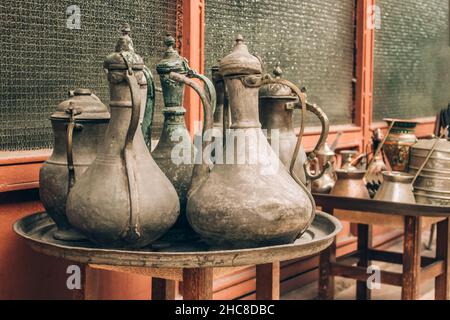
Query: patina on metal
x=124, y=199
x=79, y=124
x=179, y=174
x=248, y=203
x=276, y=108
x=432, y=157
x=37, y=230
x=398, y=143
x=350, y=184
x=396, y=187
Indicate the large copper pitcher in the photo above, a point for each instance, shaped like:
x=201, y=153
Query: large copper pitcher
x=276, y=109
x=249, y=199
x=79, y=124
x=123, y=199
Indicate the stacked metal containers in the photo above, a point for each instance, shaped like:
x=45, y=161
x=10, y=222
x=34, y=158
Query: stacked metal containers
x=432, y=186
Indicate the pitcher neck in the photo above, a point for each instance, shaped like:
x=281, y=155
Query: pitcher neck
x=243, y=102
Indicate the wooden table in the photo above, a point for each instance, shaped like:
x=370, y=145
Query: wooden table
x=194, y=263
x=416, y=269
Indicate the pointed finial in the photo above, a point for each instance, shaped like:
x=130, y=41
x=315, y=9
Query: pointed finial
x=239, y=38
x=169, y=41
x=277, y=72
x=125, y=29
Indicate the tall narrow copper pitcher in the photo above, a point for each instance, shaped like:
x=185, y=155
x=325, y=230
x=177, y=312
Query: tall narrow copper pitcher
x=249, y=199
x=123, y=199
x=276, y=110
x=174, y=132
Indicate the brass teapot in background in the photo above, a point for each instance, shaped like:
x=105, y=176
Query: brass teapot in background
x=79, y=124
x=123, y=199
x=276, y=108
x=247, y=204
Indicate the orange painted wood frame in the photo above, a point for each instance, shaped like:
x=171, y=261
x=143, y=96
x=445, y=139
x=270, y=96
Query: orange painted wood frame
x=192, y=47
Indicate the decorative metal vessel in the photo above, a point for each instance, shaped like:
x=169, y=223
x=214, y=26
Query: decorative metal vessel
x=350, y=184
x=241, y=202
x=325, y=183
x=396, y=187
x=398, y=143
x=432, y=186
x=347, y=159
x=174, y=130
x=79, y=124
x=276, y=109
x=123, y=199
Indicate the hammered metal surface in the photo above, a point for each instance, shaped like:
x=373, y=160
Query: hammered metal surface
x=312, y=40
x=42, y=58
x=412, y=59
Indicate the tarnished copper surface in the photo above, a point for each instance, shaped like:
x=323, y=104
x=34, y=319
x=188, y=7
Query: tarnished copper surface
x=79, y=125
x=242, y=204
x=123, y=199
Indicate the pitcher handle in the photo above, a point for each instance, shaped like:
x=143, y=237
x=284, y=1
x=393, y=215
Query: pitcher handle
x=132, y=233
x=267, y=79
x=72, y=112
x=147, y=121
x=210, y=90
x=200, y=171
x=317, y=111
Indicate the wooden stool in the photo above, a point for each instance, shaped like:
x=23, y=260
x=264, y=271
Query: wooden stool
x=416, y=269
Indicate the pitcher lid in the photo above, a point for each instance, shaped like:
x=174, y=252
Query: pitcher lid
x=124, y=48
x=86, y=103
x=171, y=60
x=240, y=61
x=276, y=90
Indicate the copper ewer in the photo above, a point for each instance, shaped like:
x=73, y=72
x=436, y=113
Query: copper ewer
x=247, y=204
x=123, y=199
x=174, y=130
x=276, y=108
x=79, y=124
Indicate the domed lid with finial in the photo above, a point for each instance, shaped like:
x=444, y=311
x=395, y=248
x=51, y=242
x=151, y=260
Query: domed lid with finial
x=276, y=90
x=124, y=50
x=240, y=61
x=86, y=103
x=171, y=60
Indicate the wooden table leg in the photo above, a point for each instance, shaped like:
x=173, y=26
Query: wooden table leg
x=163, y=289
x=268, y=281
x=364, y=244
x=326, y=279
x=442, y=291
x=411, y=258
x=197, y=284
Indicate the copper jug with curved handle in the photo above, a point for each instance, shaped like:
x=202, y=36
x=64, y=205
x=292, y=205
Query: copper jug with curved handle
x=201, y=170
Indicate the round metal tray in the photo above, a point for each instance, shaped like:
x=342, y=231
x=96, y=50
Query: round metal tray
x=38, y=230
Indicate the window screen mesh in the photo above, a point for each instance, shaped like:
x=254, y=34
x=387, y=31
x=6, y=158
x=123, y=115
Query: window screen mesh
x=412, y=59
x=312, y=40
x=42, y=59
